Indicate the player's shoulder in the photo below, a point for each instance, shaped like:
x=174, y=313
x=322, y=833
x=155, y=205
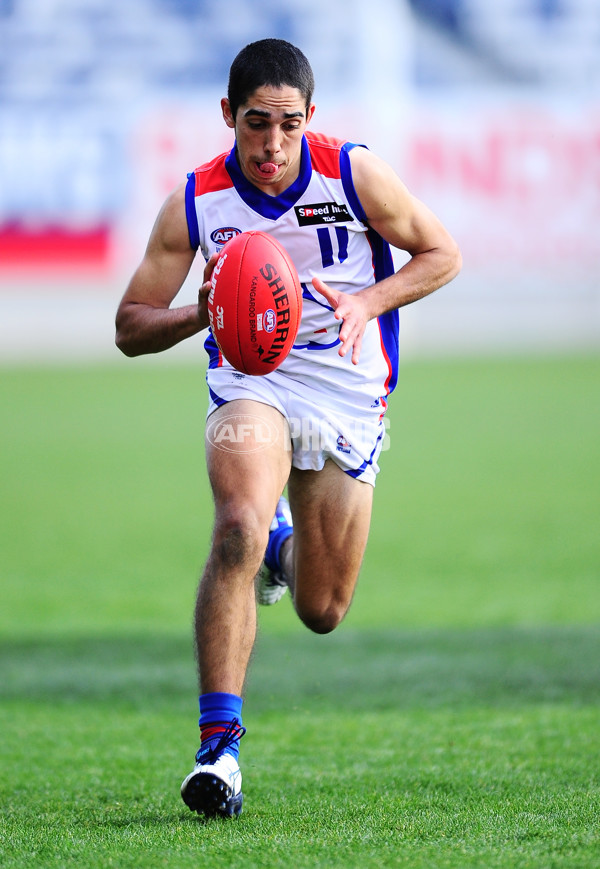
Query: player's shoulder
x=170, y=228
x=320, y=141
x=211, y=176
x=325, y=153
x=174, y=202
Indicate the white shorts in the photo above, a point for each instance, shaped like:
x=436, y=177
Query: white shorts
x=323, y=425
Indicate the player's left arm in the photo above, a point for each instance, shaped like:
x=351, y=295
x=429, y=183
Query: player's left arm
x=406, y=223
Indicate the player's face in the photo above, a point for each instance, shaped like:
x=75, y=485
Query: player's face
x=268, y=131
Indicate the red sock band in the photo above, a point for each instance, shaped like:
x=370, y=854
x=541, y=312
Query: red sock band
x=209, y=731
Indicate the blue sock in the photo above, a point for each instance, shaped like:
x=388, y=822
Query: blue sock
x=276, y=540
x=217, y=712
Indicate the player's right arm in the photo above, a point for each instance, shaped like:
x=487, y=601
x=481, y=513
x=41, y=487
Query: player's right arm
x=145, y=321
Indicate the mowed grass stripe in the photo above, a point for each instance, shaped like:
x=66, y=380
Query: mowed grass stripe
x=356, y=670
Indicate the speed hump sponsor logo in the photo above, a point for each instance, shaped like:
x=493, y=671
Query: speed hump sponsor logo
x=322, y=212
x=241, y=433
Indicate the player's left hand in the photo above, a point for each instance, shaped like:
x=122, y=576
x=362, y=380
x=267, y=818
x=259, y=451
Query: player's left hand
x=352, y=310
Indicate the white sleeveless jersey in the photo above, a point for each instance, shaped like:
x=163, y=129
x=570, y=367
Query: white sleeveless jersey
x=321, y=223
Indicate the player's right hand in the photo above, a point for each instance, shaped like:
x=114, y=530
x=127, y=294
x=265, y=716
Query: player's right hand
x=205, y=289
x=353, y=312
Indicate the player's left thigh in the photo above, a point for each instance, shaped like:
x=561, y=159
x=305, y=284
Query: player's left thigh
x=332, y=516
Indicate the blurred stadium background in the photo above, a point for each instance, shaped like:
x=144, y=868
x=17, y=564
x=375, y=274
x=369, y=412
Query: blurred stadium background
x=489, y=111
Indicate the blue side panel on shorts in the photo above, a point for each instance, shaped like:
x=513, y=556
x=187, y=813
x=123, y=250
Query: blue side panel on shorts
x=358, y=472
x=190, y=211
x=271, y=207
x=215, y=398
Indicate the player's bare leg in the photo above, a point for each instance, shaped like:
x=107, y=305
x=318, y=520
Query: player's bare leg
x=332, y=516
x=247, y=476
x=246, y=484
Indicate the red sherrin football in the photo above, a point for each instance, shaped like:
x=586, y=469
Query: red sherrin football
x=255, y=303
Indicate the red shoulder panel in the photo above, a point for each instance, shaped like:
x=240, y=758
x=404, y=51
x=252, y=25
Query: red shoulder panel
x=325, y=154
x=213, y=176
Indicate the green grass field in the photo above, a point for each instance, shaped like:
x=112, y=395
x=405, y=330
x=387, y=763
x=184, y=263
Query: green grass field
x=453, y=720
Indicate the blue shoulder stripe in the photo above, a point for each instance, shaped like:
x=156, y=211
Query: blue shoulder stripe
x=348, y=183
x=190, y=211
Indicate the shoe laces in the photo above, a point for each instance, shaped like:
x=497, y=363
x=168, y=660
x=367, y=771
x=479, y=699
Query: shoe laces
x=275, y=579
x=232, y=733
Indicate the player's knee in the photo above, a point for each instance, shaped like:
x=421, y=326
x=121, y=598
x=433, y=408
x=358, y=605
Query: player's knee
x=238, y=539
x=324, y=620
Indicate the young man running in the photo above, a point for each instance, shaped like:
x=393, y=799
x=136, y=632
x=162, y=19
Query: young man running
x=336, y=208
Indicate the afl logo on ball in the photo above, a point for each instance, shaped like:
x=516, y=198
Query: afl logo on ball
x=223, y=234
x=270, y=320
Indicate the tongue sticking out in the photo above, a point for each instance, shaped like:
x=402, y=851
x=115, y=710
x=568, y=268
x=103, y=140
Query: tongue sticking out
x=268, y=168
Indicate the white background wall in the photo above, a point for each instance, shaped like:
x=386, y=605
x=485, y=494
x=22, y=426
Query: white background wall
x=491, y=116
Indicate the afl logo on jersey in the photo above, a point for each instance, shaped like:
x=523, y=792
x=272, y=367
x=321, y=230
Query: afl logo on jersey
x=222, y=235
